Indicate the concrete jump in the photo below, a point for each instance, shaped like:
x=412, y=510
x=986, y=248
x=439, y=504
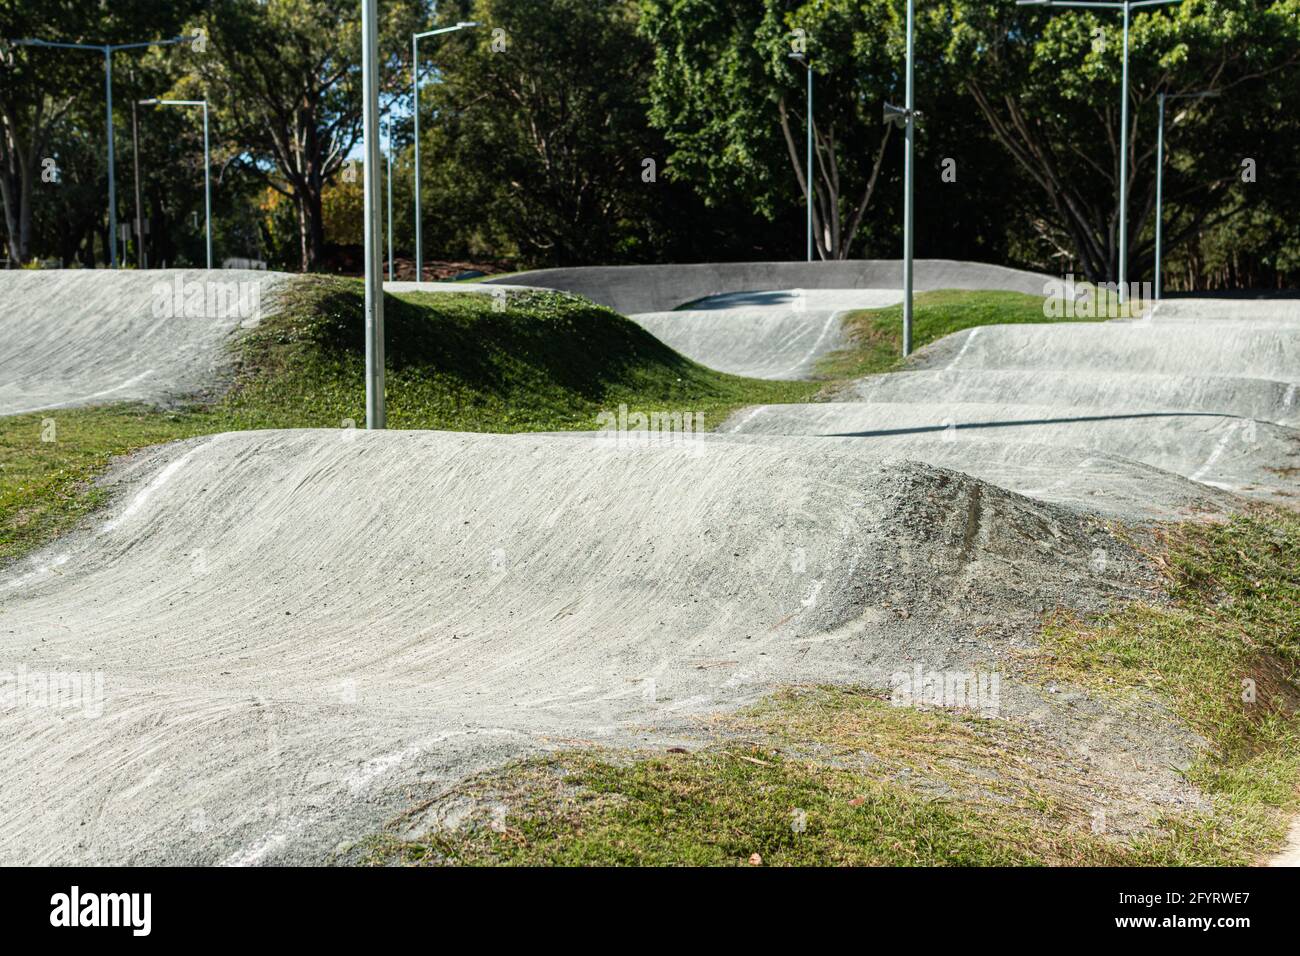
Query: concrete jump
x=661, y=288
x=778, y=335
x=77, y=337
x=1126, y=347
x=295, y=630
x=1224, y=451
x=1284, y=311
x=1260, y=398
x=1207, y=394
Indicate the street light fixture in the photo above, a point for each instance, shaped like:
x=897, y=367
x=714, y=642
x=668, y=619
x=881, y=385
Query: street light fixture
x=808, y=165
x=1127, y=6
x=108, y=49
x=415, y=109
x=207, y=162
x=1160, y=169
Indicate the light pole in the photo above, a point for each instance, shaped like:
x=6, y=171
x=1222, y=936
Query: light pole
x=135, y=165
x=388, y=184
x=1160, y=169
x=207, y=162
x=1126, y=6
x=808, y=165
x=376, y=414
x=905, y=117
x=415, y=109
x=108, y=49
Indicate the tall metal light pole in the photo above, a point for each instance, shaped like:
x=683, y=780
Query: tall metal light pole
x=1126, y=6
x=1160, y=171
x=207, y=162
x=388, y=184
x=908, y=174
x=808, y=164
x=415, y=109
x=905, y=117
x=135, y=165
x=108, y=49
x=375, y=409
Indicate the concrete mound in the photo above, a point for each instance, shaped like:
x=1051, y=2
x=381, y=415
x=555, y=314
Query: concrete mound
x=1128, y=347
x=1263, y=399
x=292, y=629
x=659, y=288
x=1284, y=311
x=1107, y=485
x=77, y=337
x=1231, y=453
x=778, y=335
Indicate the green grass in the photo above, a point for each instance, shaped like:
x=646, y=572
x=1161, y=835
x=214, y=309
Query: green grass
x=760, y=794
x=870, y=783
x=547, y=361
x=46, y=486
x=876, y=335
x=1223, y=654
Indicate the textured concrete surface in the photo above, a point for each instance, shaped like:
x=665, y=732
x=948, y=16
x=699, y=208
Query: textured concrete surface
x=1281, y=310
x=1224, y=451
x=1211, y=396
x=1264, y=399
x=656, y=288
x=1126, y=347
x=74, y=336
x=778, y=334
x=296, y=632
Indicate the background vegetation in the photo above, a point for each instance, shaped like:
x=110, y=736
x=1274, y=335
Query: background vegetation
x=603, y=131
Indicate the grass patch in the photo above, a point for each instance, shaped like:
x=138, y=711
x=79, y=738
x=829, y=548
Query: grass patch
x=762, y=795
x=827, y=776
x=547, y=361
x=48, y=462
x=876, y=335
x=1223, y=655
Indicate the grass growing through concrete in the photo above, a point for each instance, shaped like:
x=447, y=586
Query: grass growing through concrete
x=839, y=776
x=876, y=335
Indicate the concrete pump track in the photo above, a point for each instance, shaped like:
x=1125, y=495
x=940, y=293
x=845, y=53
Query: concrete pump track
x=299, y=629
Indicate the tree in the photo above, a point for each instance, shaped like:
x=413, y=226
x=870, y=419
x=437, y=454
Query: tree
x=285, y=79
x=1048, y=84
x=729, y=98
x=541, y=114
x=52, y=114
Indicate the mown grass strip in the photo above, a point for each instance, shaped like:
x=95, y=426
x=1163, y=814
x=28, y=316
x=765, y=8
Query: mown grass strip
x=876, y=335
